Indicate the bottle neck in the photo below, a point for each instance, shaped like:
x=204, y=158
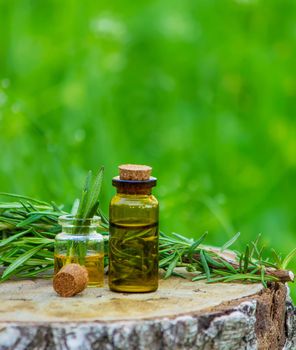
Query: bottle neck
x=133, y=190
x=79, y=230
x=72, y=225
x=134, y=187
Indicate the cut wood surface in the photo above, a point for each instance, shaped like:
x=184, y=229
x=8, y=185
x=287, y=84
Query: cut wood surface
x=180, y=315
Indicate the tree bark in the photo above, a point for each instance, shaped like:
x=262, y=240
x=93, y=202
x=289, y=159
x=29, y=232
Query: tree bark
x=180, y=315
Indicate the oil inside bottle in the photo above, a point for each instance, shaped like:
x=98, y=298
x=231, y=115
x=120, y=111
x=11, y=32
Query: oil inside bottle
x=133, y=260
x=94, y=264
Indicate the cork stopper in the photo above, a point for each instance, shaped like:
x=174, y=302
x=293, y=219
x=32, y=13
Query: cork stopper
x=134, y=172
x=70, y=280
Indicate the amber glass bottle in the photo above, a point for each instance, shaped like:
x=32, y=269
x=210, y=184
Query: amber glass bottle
x=133, y=243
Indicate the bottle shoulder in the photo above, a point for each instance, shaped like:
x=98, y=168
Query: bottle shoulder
x=135, y=200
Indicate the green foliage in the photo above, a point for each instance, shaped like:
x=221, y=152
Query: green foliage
x=230, y=242
x=204, y=91
x=288, y=258
x=26, y=250
x=89, y=201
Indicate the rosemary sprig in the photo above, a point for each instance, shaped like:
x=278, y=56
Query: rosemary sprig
x=89, y=201
x=28, y=228
x=87, y=208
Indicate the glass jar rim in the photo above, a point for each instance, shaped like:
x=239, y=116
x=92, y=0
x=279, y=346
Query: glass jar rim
x=71, y=220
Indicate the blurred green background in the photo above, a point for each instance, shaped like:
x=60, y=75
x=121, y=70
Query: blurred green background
x=204, y=91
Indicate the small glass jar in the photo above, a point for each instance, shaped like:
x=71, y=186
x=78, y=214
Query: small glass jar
x=133, y=242
x=80, y=243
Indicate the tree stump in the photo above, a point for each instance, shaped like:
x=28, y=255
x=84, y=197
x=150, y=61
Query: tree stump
x=180, y=315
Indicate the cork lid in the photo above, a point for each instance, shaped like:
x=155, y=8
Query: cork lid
x=70, y=280
x=134, y=172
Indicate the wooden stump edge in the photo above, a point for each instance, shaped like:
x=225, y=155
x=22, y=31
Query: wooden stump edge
x=266, y=320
